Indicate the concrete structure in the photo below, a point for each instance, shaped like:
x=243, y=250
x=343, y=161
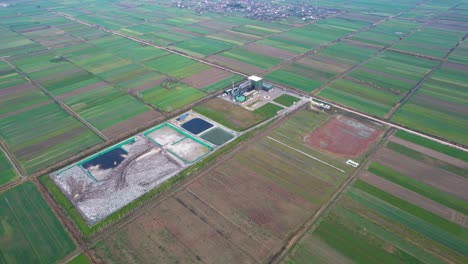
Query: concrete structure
x=256, y=82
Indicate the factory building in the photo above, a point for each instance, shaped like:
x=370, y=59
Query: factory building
x=248, y=89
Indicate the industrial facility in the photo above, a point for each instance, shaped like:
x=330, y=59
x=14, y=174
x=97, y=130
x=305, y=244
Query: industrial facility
x=248, y=89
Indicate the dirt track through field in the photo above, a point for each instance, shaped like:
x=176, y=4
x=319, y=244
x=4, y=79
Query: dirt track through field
x=415, y=199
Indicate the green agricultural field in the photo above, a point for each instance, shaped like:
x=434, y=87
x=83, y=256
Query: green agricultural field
x=44, y=135
x=235, y=38
x=105, y=106
x=223, y=83
x=287, y=100
x=268, y=110
x=284, y=44
x=7, y=173
x=293, y=80
x=255, y=59
x=345, y=53
x=13, y=43
x=387, y=32
x=176, y=66
x=365, y=229
x=393, y=71
x=460, y=54
x=360, y=97
x=29, y=230
x=419, y=187
x=36, y=62
x=172, y=96
x=256, y=30
x=437, y=107
x=202, y=46
x=430, y=41
x=445, y=232
x=80, y=259
x=456, y=153
x=22, y=100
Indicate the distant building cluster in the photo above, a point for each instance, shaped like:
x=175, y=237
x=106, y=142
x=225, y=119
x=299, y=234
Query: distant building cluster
x=266, y=10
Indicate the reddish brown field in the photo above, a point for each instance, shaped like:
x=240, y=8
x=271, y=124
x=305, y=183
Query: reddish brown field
x=343, y=136
x=207, y=77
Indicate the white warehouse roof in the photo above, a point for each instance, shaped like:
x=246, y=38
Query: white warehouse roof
x=255, y=78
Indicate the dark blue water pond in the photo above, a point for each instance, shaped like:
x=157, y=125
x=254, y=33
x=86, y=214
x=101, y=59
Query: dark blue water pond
x=196, y=126
x=107, y=160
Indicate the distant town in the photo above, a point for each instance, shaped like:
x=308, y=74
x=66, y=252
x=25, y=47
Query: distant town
x=259, y=10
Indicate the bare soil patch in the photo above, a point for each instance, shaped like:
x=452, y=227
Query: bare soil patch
x=438, y=178
x=236, y=65
x=415, y=199
x=343, y=136
x=270, y=51
x=131, y=124
x=430, y=152
x=207, y=77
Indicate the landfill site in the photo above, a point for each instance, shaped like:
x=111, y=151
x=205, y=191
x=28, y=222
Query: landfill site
x=107, y=181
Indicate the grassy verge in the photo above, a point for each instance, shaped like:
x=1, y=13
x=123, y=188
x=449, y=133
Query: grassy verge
x=418, y=187
x=80, y=259
x=268, y=110
x=456, y=153
x=88, y=231
x=287, y=100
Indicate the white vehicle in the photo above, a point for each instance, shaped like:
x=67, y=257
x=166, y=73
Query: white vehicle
x=352, y=163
